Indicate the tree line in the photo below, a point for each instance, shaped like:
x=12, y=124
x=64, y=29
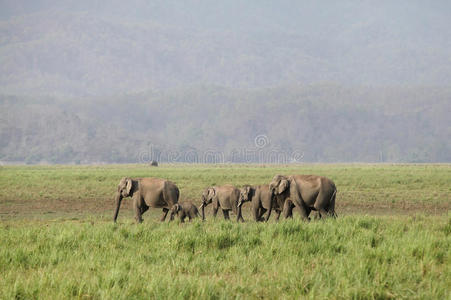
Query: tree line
x=212, y=124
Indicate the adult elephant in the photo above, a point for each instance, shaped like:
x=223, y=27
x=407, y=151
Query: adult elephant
x=261, y=201
x=225, y=197
x=147, y=192
x=307, y=193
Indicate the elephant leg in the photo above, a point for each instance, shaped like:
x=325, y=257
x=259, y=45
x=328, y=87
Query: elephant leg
x=144, y=208
x=215, y=211
x=137, y=208
x=302, y=211
x=323, y=213
x=269, y=211
x=261, y=212
x=165, y=213
x=226, y=214
x=268, y=215
x=256, y=213
x=287, y=209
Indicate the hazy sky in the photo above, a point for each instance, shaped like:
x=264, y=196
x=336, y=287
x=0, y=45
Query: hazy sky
x=98, y=47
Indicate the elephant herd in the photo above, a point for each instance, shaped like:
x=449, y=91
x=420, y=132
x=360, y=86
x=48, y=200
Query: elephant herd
x=304, y=193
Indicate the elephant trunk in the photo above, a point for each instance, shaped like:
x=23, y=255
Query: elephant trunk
x=239, y=215
x=202, y=207
x=272, y=191
x=118, y=198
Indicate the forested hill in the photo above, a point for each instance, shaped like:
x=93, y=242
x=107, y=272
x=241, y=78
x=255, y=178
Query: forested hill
x=324, y=123
x=217, y=81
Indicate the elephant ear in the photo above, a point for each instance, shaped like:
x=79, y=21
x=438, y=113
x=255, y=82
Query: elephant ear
x=248, y=190
x=274, y=185
x=283, y=185
x=128, y=186
x=122, y=184
x=211, y=193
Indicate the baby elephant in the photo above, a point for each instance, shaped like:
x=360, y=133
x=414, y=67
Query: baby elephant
x=183, y=210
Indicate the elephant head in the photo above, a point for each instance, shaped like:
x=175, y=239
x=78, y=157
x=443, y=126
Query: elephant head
x=279, y=185
x=245, y=195
x=207, y=198
x=175, y=210
x=124, y=189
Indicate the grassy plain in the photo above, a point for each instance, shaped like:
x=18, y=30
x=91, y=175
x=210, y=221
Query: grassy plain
x=392, y=238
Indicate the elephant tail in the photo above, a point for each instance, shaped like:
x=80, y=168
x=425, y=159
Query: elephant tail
x=332, y=204
x=177, y=193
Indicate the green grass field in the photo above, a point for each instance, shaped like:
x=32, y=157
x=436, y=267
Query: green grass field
x=392, y=238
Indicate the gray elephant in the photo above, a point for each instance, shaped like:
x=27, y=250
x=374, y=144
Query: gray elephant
x=307, y=193
x=183, y=210
x=261, y=200
x=225, y=197
x=147, y=192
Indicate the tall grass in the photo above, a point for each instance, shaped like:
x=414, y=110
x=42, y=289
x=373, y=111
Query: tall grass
x=358, y=257
x=44, y=253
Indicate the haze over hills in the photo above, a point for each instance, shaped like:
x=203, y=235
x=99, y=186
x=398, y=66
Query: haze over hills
x=90, y=81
